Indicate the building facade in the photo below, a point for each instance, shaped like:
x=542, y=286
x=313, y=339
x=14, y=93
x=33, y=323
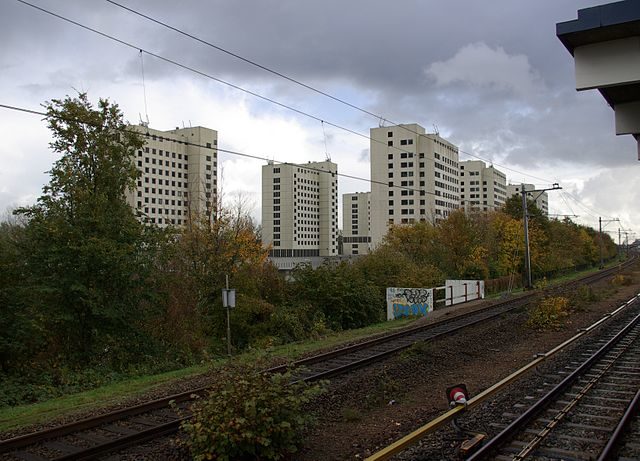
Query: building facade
x=482, y=188
x=300, y=212
x=178, y=175
x=356, y=223
x=415, y=177
x=541, y=198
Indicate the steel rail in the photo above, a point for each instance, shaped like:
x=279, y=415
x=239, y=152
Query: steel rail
x=542, y=403
x=413, y=437
x=16, y=443
x=404, y=333
x=609, y=451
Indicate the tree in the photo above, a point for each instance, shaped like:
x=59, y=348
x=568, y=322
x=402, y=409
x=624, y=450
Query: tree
x=193, y=271
x=341, y=292
x=513, y=207
x=21, y=327
x=88, y=253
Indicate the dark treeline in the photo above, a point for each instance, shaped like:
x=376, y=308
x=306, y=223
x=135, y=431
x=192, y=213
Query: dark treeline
x=89, y=295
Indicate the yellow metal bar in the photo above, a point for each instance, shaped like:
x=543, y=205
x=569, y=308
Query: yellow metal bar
x=399, y=445
x=409, y=439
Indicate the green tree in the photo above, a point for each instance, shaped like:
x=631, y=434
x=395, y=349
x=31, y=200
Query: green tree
x=513, y=207
x=88, y=254
x=22, y=333
x=224, y=242
x=341, y=292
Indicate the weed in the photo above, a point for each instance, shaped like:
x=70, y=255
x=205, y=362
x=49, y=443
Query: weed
x=582, y=296
x=384, y=390
x=417, y=350
x=249, y=415
x=351, y=415
x=549, y=313
x=621, y=280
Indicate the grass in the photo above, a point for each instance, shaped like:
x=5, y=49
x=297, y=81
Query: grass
x=25, y=415
x=12, y=418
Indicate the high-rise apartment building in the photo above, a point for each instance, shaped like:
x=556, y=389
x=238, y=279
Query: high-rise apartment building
x=541, y=198
x=300, y=212
x=356, y=223
x=482, y=188
x=178, y=174
x=414, y=177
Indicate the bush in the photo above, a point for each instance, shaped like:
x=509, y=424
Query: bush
x=621, y=280
x=584, y=295
x=249, y=415
x=549, y=313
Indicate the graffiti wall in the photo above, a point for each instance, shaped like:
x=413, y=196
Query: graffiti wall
x=405, y=302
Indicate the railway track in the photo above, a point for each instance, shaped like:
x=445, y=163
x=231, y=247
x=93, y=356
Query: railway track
x=585, y=414
x=92, y=437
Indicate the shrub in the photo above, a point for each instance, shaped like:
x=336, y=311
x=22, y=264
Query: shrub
x=621, y=280
x=351, y=415
x=249, y=415
x=549, y=313
x=583, y=295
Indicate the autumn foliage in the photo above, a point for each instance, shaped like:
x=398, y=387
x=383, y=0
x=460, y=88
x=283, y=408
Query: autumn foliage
x=89, y=294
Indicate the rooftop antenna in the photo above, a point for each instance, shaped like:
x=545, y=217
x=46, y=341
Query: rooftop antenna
x=435, y=130
x=144, y=92
x=326, y=152
x=381, y=123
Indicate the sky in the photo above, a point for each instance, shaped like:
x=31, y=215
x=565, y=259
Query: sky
x=490, y=77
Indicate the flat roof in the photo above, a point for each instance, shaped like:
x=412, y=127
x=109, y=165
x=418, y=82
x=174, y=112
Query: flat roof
x=601, y=23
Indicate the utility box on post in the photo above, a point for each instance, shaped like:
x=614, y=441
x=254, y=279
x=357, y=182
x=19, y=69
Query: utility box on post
x=228, y=297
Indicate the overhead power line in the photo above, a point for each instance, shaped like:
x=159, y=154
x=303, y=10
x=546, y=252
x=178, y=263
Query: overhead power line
x=252, y=93
x=242, y=154
x=232, y=152
x=242, y=58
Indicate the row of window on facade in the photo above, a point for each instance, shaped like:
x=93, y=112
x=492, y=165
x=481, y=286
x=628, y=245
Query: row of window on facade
x=405, y=155
x=172, y=221
x=293, y=253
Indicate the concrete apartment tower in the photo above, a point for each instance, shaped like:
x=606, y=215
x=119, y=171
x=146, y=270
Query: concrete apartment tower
x=482, y=188
x=541, y=199
x=356, y=223
x=414, y=178
x=178, y=174
x=300, y=212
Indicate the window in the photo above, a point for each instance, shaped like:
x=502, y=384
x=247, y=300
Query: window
x=389, y=134
x=390, y=156
x=389, y=143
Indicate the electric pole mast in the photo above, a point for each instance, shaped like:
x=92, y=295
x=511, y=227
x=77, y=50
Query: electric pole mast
x=527, y=254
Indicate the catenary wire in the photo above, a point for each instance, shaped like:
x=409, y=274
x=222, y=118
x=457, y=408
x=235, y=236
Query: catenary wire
x=422, y=192
x=252, y=93
x=232, y=152
x=298, y=82
x=242, y=154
